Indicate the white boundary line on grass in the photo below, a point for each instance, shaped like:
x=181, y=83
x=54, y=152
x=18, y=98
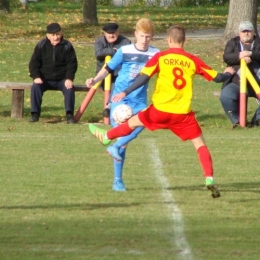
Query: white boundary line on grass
x=179, y=236
x=13, y=134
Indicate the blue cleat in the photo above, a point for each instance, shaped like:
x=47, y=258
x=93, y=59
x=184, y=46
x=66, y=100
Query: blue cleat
x=114, y=152
x=119, y=186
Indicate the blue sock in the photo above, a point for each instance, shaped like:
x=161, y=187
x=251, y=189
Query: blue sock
x=118, y=166
x=126, y=139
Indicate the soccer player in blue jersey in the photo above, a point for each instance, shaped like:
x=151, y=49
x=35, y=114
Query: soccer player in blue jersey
x=132, y=59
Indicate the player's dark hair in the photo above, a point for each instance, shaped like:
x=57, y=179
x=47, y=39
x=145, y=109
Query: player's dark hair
x=177, y=33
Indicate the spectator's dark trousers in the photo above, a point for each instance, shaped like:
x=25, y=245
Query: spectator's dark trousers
x=38, y=90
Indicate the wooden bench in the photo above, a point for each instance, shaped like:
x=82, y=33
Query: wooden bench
x=18, y=89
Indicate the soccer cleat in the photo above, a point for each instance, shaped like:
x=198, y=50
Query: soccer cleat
x=212, y=187
x=119, y=186
x=99, y=134
x=114, y=152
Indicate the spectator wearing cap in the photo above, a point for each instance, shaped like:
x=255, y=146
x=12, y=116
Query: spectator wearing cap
x=53, y=65
x=244, y=46
x=107, y=45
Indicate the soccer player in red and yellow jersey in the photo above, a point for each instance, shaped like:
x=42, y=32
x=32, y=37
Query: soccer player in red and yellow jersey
x=171, y=108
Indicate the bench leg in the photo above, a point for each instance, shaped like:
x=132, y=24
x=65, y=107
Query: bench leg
x=17, y=103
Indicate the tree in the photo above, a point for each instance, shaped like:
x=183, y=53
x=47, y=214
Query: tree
x=4, y=5
x=90, y=12
x=240, y=10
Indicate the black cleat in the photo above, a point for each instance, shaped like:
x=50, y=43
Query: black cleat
x=70, y=119
x=106, y=112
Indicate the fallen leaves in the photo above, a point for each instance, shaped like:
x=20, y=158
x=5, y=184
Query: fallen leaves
x=11, y=128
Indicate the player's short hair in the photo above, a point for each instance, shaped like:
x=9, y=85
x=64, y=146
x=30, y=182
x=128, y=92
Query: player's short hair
x=145, y=25
x=177, y=33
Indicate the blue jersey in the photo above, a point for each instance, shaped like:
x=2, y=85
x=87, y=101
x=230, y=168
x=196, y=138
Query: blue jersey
x=131, y=61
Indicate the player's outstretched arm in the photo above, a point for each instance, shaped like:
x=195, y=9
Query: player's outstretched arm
x=100, y=76
x=139, y=82
x=229, y=70
x=221, y=77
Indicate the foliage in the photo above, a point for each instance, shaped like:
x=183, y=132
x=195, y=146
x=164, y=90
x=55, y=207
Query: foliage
x=187, y=3
x=162, y=3
x=105, y=2
x=31, y=23
x=4, y=6
x=14, y=4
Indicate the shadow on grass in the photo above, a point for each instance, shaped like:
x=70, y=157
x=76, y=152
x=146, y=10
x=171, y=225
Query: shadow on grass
x=5, y=113
x=227, y=187
x=55, y=118
x=82, y=206
x=204, y=117
x=51, y=119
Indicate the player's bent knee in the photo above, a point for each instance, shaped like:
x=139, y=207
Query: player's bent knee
x=134, y=122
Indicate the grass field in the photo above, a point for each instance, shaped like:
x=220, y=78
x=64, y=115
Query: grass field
x=56, y=179
x=57, y=202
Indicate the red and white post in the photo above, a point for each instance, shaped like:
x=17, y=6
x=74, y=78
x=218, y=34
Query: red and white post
x=90, y=95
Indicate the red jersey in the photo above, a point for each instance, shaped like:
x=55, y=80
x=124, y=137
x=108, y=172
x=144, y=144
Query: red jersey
x=175, y=71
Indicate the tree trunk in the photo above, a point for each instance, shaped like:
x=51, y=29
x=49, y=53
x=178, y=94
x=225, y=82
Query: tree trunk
x=90, y=12
x=4, y=5
x=240, y=10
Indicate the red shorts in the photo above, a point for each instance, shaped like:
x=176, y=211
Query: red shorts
x=185, y=126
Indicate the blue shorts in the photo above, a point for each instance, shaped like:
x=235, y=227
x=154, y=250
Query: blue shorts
x=136, y=107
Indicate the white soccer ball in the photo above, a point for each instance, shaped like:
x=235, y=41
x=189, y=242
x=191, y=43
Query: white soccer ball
x=121, y=113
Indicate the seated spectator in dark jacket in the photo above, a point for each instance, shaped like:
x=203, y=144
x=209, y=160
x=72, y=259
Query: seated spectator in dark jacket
x=244, y=46
x=53, y=66
x=107, y=45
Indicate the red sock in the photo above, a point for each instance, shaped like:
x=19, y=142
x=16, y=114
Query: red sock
x=205, y=161
x=120, y=130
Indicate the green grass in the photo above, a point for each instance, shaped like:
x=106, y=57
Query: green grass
x=56, y=180
x=31, y=23
x=57, y=203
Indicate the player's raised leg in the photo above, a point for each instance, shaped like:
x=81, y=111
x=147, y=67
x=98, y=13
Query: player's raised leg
x=124, y=129
x=99, y=133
